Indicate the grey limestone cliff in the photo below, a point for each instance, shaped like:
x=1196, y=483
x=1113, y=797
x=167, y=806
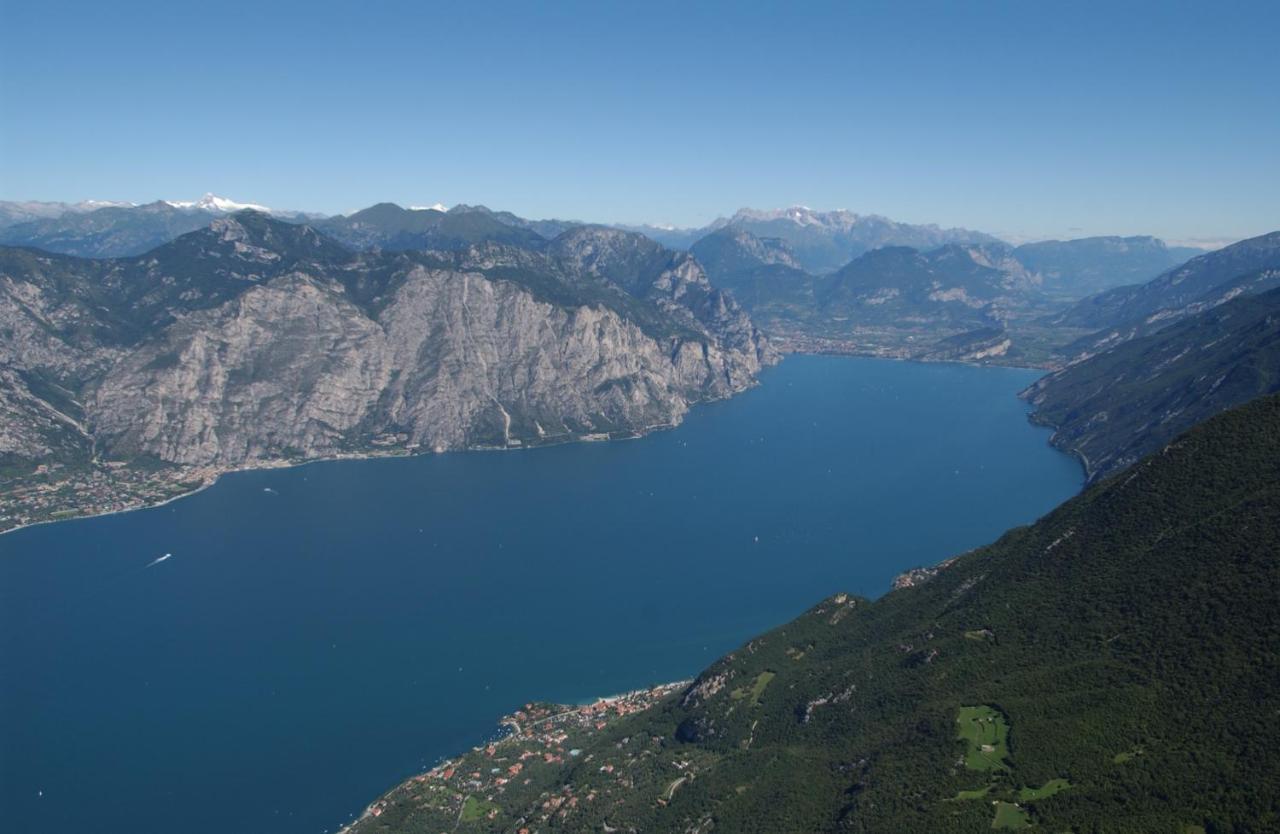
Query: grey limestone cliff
x=259, y=341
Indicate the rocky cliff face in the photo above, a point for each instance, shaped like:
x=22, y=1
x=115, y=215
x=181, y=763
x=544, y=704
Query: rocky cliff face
x=257, y=340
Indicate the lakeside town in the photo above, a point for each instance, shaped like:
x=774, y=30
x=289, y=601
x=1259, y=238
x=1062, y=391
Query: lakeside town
x=56, y=492
x=516, y=783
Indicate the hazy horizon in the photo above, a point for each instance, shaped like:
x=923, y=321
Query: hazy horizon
x=1070, y=234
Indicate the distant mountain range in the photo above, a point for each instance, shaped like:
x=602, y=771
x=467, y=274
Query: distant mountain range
x=826, y=281
x=12, y=212
x=821, y=241
x=1071, y=269
x=110, y=230
x=388, y=226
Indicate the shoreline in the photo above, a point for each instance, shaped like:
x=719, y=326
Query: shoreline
x=633, y=434
x=375, y=454
x=536, y=717
x=920, y=360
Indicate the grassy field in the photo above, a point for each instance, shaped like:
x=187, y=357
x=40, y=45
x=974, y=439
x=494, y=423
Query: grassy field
x=1009, y=815
x=1048, y=789
x=757, y=688
x=1127, y=755
x=474, y=809
x=967, y=795
x=987, y=734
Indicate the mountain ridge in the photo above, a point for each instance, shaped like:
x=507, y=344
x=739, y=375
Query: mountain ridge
x=1123, y=403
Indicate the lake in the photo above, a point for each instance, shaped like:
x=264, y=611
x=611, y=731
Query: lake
x=322, y=632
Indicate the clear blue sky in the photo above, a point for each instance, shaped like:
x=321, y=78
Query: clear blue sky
x=1022, y=118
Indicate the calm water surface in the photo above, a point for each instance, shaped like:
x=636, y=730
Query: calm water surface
x=322, y=632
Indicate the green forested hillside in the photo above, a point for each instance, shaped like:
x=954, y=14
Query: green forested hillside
x=1113, y=667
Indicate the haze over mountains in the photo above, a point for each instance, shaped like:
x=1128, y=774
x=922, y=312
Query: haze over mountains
x=802, y=272
x=822, y=241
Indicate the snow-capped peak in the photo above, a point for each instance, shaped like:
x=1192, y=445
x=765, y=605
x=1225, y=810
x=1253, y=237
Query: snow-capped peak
x=212, y=202
x=801, y=215
x=91, y=205
x=432, y=207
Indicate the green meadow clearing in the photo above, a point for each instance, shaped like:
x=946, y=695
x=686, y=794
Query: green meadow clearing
x=987, y=734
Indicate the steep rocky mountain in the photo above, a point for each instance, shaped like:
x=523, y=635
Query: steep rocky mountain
x=1092, y=672
x=1073, y=269
x=1245, y=267
x=1126, y=402
x=388, y=226
x=257, y=340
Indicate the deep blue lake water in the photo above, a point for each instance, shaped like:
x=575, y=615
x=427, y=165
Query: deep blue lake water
x=306, y=648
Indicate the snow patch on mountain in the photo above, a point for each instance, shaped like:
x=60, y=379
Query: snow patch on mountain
x=212, y=202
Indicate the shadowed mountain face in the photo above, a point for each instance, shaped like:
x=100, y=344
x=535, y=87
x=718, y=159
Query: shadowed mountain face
x=1250, y=266
x=256, y=339
x=1126, y=402
x=388, y=226
x=1073, y=269
x=1062, y=676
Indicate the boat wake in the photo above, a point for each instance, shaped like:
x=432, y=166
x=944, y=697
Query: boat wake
x=158, y=561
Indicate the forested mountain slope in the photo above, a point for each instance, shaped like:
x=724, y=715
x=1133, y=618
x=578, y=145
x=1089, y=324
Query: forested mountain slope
x=1113, y=667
